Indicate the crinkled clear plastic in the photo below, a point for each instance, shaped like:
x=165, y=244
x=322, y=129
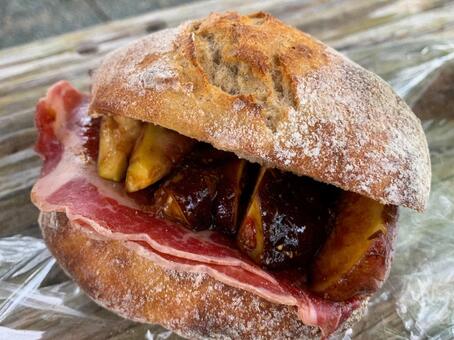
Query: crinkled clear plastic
x=417, y=302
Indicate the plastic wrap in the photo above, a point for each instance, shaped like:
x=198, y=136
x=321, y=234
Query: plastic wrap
x=38, y=301
x=417, y=301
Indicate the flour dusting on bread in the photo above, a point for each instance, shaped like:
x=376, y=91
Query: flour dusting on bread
x=158, y=76
x=273, y=95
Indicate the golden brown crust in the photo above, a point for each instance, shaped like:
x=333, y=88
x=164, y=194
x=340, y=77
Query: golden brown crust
x=274, y=95
x=193, y=305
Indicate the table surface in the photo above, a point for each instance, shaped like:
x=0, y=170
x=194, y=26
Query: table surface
x=367, y=31
x=22, y=21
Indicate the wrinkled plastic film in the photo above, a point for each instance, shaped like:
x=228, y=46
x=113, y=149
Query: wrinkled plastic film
x=32, y=309
x=421, y=284
x=37, y=300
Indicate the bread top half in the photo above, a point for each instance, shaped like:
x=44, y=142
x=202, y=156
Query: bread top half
x=273, y=95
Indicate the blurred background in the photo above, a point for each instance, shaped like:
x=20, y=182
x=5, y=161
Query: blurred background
x=23, y=21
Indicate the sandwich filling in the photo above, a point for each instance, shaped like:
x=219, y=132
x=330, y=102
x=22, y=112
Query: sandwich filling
x=278, y=219
x=289, y=239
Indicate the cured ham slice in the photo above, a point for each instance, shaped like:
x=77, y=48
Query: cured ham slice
x=69, y=183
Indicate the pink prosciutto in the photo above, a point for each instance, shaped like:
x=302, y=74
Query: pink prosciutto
x=67, y=142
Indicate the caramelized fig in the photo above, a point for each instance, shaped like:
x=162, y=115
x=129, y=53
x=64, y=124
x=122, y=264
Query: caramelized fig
x=226, y=205
x=188, y=195
x=116, y=140
x=355, y=259
x=171, y=208
x=287, y=219
x=205, y=191
x=250, y=236
x=154, y=155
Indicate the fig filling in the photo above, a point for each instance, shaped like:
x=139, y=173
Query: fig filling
x=278, y=219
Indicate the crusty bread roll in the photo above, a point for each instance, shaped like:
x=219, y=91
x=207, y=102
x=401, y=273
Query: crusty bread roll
x=274, y=95
x=193, y=305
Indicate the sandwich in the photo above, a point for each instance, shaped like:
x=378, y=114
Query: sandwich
x=229, y=178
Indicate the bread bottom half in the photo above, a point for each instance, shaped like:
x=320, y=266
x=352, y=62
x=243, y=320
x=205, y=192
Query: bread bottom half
x=194, y=305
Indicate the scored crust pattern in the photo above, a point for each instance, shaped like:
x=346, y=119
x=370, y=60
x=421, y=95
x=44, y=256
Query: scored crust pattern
x=274, y=95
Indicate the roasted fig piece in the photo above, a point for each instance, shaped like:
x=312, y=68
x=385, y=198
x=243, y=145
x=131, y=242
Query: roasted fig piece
x=287, y=219
x=356, y=255
x=171, y=208
x=250, y=237
x=156, y=152
x=116, y=140
x=226, y=209
x=188, y=195
x=205, y=192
